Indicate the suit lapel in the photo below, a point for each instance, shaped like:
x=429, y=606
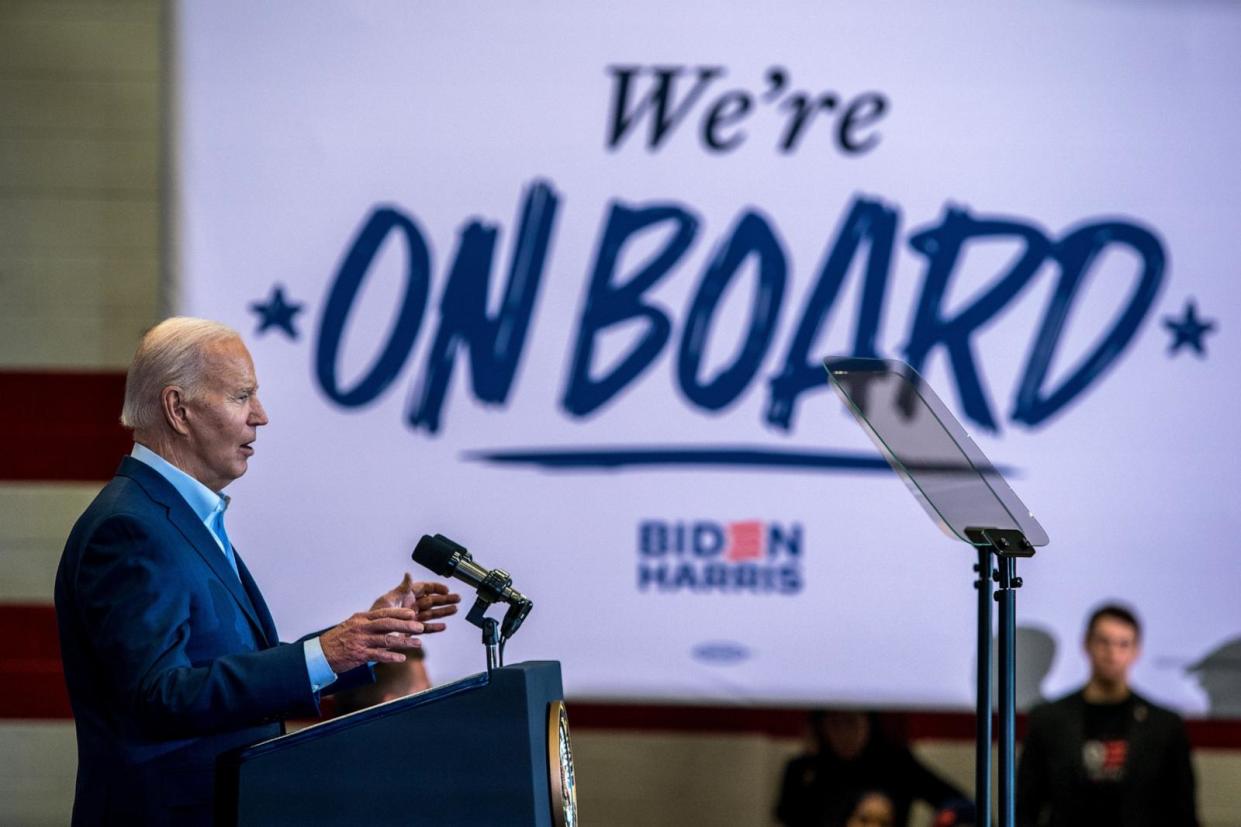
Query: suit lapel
x=256, y=600
x=195, y=533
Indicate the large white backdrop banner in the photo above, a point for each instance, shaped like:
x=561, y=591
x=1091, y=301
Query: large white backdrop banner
x=555, y=280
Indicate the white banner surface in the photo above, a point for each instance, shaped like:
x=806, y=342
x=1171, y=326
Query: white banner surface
x=555, y=280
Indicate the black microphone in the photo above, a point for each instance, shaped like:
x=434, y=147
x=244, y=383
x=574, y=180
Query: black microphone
x=449, y=559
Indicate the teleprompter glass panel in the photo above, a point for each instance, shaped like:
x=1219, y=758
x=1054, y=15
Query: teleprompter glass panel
x=925, y=444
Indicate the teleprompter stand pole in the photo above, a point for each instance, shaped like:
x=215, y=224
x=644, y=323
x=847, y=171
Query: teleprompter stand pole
x=1005, y=545
x=1007, y=598
x=982, y=746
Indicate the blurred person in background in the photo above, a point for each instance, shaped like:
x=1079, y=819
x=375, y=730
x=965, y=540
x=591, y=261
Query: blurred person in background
x=851, y=756
x=1105, y=755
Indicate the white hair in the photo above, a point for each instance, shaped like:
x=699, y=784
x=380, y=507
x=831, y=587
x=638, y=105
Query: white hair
x=171, y=353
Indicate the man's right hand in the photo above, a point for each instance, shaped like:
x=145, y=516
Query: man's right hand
x=372, y=636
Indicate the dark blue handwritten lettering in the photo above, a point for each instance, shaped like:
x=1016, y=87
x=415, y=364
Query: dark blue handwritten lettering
x=1076, y=253
x=752, y=236
x=494, y=338
x=495, y=342
x=942, y=245
x=344, y=290
x=609, y=304
x=870, y=222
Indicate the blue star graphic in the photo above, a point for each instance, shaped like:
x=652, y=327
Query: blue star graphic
x=1189, y=330
x=277, y=312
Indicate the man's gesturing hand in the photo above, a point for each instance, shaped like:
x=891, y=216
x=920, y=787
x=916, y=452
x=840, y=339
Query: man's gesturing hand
x=371, y=636
x=431, y=600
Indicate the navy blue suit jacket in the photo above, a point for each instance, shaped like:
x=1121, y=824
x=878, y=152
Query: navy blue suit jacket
x=170, y=659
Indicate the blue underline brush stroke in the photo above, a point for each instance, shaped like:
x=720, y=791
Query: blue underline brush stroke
x=568, y=459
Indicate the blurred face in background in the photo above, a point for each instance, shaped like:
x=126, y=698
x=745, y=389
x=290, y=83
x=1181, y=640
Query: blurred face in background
x=845, y=733
x=1112, y=647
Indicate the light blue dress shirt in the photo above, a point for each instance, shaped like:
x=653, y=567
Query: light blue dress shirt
x=210, y=507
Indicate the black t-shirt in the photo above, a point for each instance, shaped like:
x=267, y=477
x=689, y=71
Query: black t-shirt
x=1104, y=752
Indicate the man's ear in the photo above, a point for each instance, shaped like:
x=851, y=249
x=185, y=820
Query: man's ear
x=172, y=403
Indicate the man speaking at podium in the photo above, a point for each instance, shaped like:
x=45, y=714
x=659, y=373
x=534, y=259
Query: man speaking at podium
x=170, y=654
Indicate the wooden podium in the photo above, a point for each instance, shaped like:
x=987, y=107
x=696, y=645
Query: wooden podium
x=490, y=749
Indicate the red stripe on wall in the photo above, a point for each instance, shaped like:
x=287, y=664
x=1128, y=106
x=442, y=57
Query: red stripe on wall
x=32, y=682
x=780, y=722
x=787, y=723
x=32, y=686
x=61, y=426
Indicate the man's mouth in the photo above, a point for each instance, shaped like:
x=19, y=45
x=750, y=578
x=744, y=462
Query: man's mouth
x=247, y=448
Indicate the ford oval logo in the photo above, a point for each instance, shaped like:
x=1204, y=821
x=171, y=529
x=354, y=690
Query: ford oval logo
x=720, y=651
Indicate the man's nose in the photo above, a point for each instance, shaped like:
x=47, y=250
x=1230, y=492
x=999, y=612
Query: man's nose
x=258, y=415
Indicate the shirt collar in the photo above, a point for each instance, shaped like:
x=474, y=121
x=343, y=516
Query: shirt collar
x=201, y=499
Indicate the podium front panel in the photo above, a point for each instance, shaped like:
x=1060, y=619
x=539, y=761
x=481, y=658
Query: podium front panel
x=469, y=753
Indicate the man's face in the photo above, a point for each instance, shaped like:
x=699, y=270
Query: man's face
x=1112, y=647
x=847, y=733
x=224, y=416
